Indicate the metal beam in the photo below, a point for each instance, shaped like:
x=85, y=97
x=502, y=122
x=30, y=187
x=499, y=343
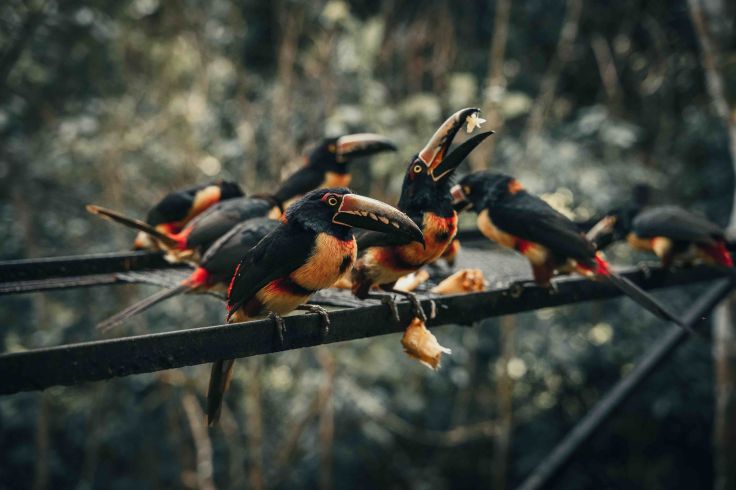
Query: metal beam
x=77, y=271
x=91, y=361
x=558, y=459
x=79, y=265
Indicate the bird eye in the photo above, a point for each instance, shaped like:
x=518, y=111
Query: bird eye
x=417, y=168
x=466, y=190
x=331, y=148
x=332, y=201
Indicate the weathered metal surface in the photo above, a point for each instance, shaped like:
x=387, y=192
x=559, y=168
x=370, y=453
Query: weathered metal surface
x=97, y=360
x=562, y=454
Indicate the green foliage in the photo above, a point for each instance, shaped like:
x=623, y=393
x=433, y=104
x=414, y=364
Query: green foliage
x=118, y=102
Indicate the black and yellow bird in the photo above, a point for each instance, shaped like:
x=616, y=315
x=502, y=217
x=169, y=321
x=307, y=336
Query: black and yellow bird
x=672, y=233
x=177, y=208
x=212, y=274
x=309, y=250
x=326, y=166
x=514, y=218
x=425, y=198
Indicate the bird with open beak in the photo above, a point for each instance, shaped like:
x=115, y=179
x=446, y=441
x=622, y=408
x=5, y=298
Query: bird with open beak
x=425, y=198
x=311, y=248
x=514, y=218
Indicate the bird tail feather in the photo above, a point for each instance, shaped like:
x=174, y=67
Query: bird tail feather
x=645, y=299
x=141, y=306
x=133, y=223
x=220, y=377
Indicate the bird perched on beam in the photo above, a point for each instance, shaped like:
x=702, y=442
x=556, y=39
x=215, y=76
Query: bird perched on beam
x=671, y=232
x=213, y=273
x=514, y=218
x=326, y=166
x=177, y=208
x=309, y=250
x=425, y=198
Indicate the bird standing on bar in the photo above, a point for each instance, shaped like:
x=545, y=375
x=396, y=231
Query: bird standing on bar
x=425, y=198
x=514, y=218
x=672, y=233
x=177, y=208
x=212, y=274
x=326, y=166
x=309, y=250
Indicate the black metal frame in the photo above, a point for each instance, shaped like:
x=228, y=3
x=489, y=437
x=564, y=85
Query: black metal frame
x=70, y=364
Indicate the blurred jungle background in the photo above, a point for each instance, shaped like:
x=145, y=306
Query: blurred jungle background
x=120, y=102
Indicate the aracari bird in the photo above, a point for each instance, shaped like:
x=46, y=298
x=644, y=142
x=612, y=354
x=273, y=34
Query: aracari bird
x=171, y=213
x=425, y=198
x=326, y=166
x=514, y=218
x=212, y=274
x=671, y=232
x=310, y=249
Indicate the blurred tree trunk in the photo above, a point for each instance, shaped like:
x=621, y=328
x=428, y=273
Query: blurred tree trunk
x=203, y=445
x=495, y=84
x=724, y=330
x=505, y=392
x=254, y=424
x=548, y=86
x=326, y=417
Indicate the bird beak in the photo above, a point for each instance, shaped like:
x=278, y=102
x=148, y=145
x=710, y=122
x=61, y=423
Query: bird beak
x=434, y=154
x=460, y=200
x=444, y=169
x=370, y=214
x=358, y=145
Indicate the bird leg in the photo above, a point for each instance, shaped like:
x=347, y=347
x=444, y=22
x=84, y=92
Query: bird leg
x=389, y=301
x=516, y=288
x=321, y=312
x=280, y=326
x=418, y=311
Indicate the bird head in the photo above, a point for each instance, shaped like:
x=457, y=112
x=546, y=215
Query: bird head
x=327, y=165
x=427, y=181
x=337, y=210
x=479, y=190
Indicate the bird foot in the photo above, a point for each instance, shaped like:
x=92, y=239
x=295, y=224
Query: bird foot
x=416, y=305
x=389, y=301
x=321, y=312
x=278, y=321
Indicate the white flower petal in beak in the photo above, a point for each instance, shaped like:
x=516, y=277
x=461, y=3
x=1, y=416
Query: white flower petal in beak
x=473, y=122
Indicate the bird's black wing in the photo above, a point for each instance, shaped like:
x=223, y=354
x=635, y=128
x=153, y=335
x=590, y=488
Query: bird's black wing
x=676, y=223
x=530, y=218
x=225, y=254
x=280, y=253
x=222, y=217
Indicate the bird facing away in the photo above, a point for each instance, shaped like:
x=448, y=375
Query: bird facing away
x=675, y=234
x=213, y=272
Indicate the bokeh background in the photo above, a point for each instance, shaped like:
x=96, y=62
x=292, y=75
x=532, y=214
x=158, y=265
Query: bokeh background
x=119, y=102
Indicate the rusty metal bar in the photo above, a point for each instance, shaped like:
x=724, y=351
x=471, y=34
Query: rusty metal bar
x=91, y=361
x=558, y=459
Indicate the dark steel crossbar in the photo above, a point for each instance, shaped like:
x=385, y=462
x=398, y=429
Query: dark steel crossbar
x=562, y=454
x=79, y=265
x=78, y=271
x=97, y=360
